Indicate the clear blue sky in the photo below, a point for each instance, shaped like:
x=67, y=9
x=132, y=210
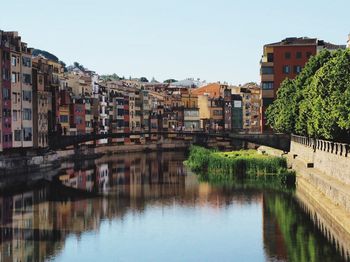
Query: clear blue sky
x=217, y=40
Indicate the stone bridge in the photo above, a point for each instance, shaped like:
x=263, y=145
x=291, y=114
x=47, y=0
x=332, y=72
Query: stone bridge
x=278, y=141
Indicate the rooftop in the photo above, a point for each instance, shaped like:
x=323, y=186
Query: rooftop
x=305, y=41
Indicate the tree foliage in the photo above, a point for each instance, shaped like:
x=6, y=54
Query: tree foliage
x=317, y=102
x=169, y=81
x=143, y=79
x=112, y=77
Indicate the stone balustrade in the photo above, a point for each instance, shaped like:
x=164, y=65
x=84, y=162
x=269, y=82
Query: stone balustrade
x=329, y=157
x=340, y=149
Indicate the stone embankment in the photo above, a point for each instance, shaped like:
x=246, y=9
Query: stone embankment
x=323, y=183
x=93, y=152
x=30, y=162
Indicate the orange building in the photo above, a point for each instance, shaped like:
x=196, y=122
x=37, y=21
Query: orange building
x=213, y=90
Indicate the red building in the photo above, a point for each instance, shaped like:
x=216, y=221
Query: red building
x=77, y=116
x=5, y=94
x=285, y=59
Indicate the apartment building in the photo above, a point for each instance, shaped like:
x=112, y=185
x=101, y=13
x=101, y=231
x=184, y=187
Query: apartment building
x=191, y=111
x=285, y=59
x=251, y=103
x=117, y=114
x=41, y=102
x=57, y=71
x=211, y=112
x=16, y=86
x=5, y=101
x=77, y=116
x=211, y=90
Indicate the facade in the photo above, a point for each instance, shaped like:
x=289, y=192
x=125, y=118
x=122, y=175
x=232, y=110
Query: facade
x=285, y=59
x=6, y=132
x=228, y=109
x=191, y=120
x=77, y=116
x=251, y=103
x=237, y=113
x=41, y=102
x=117, y=114
x=211, y=113
x=88, y=116
x=56, y=74
x=16, y=90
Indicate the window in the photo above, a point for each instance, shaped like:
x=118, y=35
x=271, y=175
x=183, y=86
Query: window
x=267, y=70
x=267, y=85
x=13, y=60
x=5, y=74
x=287, y=55
x=5, y=94
x=298, y=55
x=27, y=96
x=191, y=113
x=217, y=112
x=269, y=57
x=27, y=61
x=27, y=134
x=27, y=79
x=13, y=78
x=78, y=120
x=6, y=112
x=297, y=69
x=286, y=69
x=27, y=114
x=15, y=98
x=79, y=109
x=64, y=119
x=14, y=115
x=17, y=135
x=267, y=101
x=237, y=103
x=6, y=55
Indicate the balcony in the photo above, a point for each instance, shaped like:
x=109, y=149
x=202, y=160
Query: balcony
x=268, y=94
x=267, y=78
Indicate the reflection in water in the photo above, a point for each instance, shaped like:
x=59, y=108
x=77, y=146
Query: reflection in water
x=150, y=208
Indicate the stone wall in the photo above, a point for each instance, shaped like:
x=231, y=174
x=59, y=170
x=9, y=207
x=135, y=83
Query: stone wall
x=331, y=158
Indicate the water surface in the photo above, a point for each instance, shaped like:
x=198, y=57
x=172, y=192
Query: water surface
x=149, y=207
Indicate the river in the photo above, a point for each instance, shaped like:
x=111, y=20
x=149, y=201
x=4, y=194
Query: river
x=150, y=207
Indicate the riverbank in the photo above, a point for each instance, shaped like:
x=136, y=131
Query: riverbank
x=91, y=152
x=32, y=162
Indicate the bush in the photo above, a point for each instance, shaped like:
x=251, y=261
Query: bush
x=245, y=164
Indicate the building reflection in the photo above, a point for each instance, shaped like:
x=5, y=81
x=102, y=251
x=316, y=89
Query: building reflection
x=35, y=224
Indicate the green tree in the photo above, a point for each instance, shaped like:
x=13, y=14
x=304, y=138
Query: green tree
x=281, y=114
x=317, y=102
x=329, y=99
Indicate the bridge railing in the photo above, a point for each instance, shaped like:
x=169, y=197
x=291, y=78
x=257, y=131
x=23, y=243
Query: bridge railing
x=341, y=149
